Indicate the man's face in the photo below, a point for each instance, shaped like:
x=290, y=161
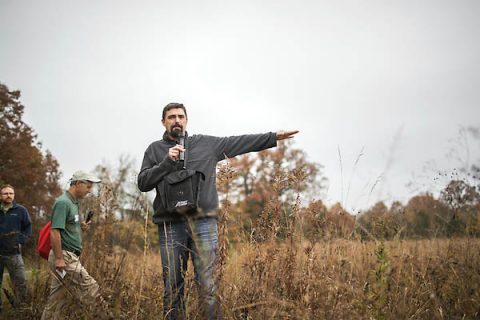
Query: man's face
x=82, y=188
x=175, y=122
x=7, y=195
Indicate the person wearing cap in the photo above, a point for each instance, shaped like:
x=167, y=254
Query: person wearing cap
x=194, y=235
x=70, y=278
x=15, y=228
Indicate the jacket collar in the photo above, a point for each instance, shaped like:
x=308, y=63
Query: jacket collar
x=14, y=205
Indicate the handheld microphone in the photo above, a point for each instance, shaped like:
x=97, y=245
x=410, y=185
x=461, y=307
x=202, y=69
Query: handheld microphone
x=181, y=141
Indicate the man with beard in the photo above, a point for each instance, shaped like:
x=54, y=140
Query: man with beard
x=15, y=228
x=194, y=234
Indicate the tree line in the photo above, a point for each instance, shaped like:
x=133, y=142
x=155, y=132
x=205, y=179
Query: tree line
x=261, y=191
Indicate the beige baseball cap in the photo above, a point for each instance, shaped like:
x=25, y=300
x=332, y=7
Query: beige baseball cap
x=83, y=176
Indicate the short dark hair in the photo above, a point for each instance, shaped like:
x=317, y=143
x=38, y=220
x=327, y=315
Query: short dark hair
x=173, y=105
x=7, y=186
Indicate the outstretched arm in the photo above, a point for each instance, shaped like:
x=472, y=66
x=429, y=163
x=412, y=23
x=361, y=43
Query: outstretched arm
x=281, y=135
x=236, y=145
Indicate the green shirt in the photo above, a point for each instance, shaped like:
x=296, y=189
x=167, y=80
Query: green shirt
x=65, y=216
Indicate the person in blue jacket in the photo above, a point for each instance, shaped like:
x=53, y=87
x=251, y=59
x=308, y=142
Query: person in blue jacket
x=194, y=235
x=15, y=228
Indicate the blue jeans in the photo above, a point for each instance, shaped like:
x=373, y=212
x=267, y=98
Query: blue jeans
x=16, y=269
x=179, y=240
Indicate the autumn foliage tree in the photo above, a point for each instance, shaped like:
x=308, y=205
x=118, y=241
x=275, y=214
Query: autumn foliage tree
x=23, y=164
x=267, y=183
x=320, y=222
x=456, y=212
x=284, y=165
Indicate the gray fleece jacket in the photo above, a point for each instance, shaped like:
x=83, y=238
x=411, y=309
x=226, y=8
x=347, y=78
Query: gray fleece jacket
x=203, y=153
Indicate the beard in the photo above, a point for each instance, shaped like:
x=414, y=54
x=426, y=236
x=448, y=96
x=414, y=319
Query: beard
x=8, y=201
x=176, y=131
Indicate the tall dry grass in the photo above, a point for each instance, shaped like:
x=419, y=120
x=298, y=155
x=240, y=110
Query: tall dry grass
x=337, y=279
x=267, y=276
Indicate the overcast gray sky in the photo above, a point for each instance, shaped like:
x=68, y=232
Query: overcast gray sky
x=396, y=79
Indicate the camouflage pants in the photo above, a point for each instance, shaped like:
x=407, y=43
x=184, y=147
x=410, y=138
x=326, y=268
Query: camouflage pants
x=76, y=292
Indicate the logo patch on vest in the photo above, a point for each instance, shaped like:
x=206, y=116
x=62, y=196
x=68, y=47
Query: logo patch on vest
x=181, y=203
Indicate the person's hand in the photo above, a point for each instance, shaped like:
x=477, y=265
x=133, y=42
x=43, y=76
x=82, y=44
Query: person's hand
x=174, y=152
x=60, y=264
x=85, y=225
x=281, y=135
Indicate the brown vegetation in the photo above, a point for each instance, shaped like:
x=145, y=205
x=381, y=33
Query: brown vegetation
x=336, y=279
x=279, y=271
x=23, y=164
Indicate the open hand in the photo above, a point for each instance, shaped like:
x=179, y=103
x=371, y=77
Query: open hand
x=281, y=135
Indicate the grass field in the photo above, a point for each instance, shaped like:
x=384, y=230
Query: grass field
x=291, y=279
